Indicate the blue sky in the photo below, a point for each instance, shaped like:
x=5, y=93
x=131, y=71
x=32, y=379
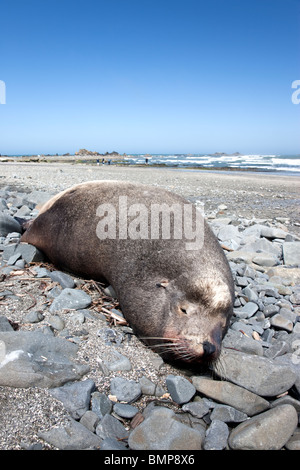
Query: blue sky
x=159, y=76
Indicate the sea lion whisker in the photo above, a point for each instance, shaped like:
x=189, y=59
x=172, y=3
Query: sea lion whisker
x=159, y=337
x=163, y=345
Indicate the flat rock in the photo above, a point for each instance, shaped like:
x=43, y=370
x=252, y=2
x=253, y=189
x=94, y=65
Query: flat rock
x=180, y=389
x=231, y=394
x=30, y=253
x=63, y=279
x=33, y=359
x=216, y=436
x=111, y=427
x=125, y=411
x=73, y=436
x=71, y=299
x=161, y=431
x=265, y=259
x=270, y=430
x=247, y=311
x=75, y=397
x=8, y=225
x=260, y=375
x=281, y=322
x=196, y=408
x=125, y=390
x=237, y=340
x=291, y=253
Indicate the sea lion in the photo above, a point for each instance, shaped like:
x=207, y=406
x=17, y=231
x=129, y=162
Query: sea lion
x=171, y=277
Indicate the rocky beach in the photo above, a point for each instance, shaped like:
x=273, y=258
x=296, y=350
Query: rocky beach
x=72, y=374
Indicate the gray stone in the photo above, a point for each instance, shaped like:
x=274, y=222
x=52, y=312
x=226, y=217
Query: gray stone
x=9, y=250
x=37, y=197
x=265, y=259
x=232, y=395
x=250, y=294
x=110, y=443
x=90, y=420
x=8, y=225
x=5, y=325
x=125, y=411
x=270, y=310
x=125, y=390
x=23, y=211
x=33, y=359
x=63, y=279
x=216, y=436
x=119, y=362
x=270, y=430
x=41, y=272
x=277, y=349
x=237, y=340
x=180, y=389
x=229, y=232
x=281, y=322
x=260, y=375
x=12, y=260
x=247, y=310
x=56, y=322
x=294, y=442
x=291, y=253
x=111, y=427
x=71, y=299
x=197, y=408
x=73, y=436
x=228, y=414
x=100, y=404
x=30, y=253
x=75, y=396
x=148, y=387
x=161, y=431
x=272, y=232
x=33, y=317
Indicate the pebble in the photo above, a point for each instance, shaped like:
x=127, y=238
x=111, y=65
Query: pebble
x=231, y=394
x=216, y=436
x=259, y=375
x=270, y=430
x=125, y=390
x=151, y=433
x=74, y=436
x=63, y=279
x=111, y=427
x=75, y=396
x=71, y=299
x=181, y=389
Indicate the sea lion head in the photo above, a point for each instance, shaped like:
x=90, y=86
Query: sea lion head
x=196, y=315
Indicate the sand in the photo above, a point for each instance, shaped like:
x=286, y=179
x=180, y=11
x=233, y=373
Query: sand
x=249, y=194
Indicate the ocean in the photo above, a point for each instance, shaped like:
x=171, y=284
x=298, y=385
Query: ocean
x=283, y=164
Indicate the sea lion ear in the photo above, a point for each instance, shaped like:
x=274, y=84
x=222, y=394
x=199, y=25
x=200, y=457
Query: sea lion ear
x=162, y=284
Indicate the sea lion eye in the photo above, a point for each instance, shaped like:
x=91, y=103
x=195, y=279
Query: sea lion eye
x=183, y=310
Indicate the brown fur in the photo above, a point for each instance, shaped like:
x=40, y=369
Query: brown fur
x=179, y=301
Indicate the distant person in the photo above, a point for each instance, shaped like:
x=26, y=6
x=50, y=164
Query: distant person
x=109, y=161
x=103, y=161
x=98, y=162
x=147, y=161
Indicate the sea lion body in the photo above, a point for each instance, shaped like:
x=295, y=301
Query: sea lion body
x=176, y=296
